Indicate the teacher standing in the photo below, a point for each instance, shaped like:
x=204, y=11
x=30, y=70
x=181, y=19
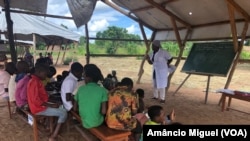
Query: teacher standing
x=160, y=59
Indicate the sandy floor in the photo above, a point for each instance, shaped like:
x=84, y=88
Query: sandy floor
x=188, y=102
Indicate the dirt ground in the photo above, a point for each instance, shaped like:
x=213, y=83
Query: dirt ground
x=188, y=101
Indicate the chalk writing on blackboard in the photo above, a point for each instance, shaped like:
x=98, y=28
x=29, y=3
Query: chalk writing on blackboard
x=213, y=58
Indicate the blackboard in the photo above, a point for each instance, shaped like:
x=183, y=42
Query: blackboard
x=212, y=58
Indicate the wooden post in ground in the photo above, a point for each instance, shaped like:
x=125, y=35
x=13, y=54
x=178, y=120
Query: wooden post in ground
x=87, y=44
x=141, y=71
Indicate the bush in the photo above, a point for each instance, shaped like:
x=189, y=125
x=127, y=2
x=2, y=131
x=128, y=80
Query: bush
x=68, y=60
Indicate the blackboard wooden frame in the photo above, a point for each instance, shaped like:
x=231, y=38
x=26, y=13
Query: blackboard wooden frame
x=211, y=58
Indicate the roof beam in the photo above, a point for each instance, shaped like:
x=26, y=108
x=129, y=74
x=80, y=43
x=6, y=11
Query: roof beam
x=217, y=23
x=207, y=24
x=239, y=9
x=233, y=26
x=141, y=9
x=150, y=6
x=176, y=31
x=163, y=9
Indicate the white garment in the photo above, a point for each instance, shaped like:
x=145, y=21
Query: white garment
x=79, y=84
x=161, y=92
x=4, y=82
x=68, y=86
x=171, y=68
x=160, y=66
x=12, y=88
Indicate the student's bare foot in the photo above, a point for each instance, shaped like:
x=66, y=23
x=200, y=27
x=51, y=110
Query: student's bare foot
x=172, y=115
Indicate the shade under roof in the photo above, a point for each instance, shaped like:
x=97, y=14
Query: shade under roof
x=208, y=19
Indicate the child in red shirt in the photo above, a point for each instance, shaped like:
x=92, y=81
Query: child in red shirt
x=38, y=99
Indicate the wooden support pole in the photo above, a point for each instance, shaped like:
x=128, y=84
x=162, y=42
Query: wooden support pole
x=10, y=31
x=181, y=47
x=9, y=108
x=238, y=51
x=47, y=49
x=182, y=83
x=64, y=52
x=34, y=46
x=87, y=44
x=207, y=89
x=233, y=26
x=238, y=8
x=235, y=42
x=141, y=71
x=58, y=54
x=35, y=128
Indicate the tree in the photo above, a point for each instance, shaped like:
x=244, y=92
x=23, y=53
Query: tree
x=114, y=32
x=82, y=40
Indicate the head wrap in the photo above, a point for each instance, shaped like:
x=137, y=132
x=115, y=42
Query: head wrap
x=157, y=43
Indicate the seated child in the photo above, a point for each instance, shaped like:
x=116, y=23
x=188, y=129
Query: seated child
x=5, y=75
x=38, y=99
x=91, y=98
x=65, y=74
x=21, y=91
x=141, y=116
x=114, y=77
x=141, y=105
x=108, y=83
x=122, y=107
x=69, y=84
x=50, y=78
x=158, y=117
x=58, y=82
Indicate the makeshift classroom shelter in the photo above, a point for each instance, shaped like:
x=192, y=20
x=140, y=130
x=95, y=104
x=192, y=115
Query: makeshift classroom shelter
x=172, y=20
x=191, y=20
x=30, y=29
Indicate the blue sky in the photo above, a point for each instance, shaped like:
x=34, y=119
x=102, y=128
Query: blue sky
x=103, y=17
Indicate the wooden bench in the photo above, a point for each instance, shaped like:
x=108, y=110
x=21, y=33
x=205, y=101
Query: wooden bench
x=31, y=119
x=103, y=132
